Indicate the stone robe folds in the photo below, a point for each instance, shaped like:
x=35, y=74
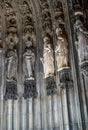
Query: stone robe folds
x=29, y=59
x=82, y=47
x=61, y=52
x=12, y=63
x=48, y=61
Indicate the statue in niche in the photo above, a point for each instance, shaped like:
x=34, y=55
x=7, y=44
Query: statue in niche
x=48, y=64
x=28, y=68
x=61, y=49
x=82, y=41
x=29, y=60
x=48, y=60
x=12, y=62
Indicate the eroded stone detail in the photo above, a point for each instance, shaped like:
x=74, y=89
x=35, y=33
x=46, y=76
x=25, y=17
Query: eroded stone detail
x=81, y=41
x=46, y=17
x=65, y=78
x=11, y=53
x=30, y=90
x=61, y=49
x=48, y=64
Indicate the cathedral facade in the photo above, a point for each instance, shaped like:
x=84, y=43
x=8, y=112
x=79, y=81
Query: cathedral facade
x=43, y=65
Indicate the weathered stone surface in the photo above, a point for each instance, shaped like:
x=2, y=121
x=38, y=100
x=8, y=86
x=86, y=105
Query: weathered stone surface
x=45, y=96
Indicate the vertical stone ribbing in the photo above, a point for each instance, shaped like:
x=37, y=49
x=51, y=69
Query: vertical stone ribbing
x=55, y=112
x=15, y=115
x=29, y=114
x=65, y=109
x=9, y=115
x=49, y=113
x=24, y=115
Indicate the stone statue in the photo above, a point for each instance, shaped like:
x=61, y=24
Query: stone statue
x=12, y=62
x=61, y=49
x=48, y=60
x=82, y=41
x=29, y=59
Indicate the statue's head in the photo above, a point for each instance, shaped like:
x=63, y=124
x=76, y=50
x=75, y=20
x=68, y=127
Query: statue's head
x=28, y=42
x=46, y=39
x=78, y=24
x=60, y=30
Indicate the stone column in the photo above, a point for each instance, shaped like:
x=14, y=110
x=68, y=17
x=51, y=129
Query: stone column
x=55, y=112
x=44, y=105
x=72, y=109
x=65, y=109
x=9, y=114
x=60, y=112
x=49, y=113
x=29, y=114
x=1, y=89
x=15, y=115
x=83, y=102
x=37, y=105
x=24, y=115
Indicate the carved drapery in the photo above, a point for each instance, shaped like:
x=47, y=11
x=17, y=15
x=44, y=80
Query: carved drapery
x=61, y=47
x=48, y=55
x=81, y=39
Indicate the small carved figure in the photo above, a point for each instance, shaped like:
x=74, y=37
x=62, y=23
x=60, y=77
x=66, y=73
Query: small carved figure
x=82, y=41
x=29, y=59
x=48, y=60
x=61, y=49
x=12, y=62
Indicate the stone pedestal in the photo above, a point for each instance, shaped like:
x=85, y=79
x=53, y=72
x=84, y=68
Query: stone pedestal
x=30, y=89
x=11, y=90
x=65, y=78
x=50, y=86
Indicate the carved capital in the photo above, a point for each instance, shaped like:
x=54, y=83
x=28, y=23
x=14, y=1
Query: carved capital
x=11, y=90
x=50, y=86
x=30, y=89
x=65, y=78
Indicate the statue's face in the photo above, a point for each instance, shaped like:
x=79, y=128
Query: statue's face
x=46, y=40
x=78, y=24
x=28, y=43
x=59, y=31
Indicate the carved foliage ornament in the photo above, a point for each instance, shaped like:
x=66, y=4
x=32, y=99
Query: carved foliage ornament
x=46, y=17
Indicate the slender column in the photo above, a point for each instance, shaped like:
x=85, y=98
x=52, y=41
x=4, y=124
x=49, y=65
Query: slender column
x=9, y=115
x=44, y=106
x=84, y=103
x=1, y=88
x=65, y=109
x=24, y=121
x=59, y=103
x=37, y=106
x=49, y=113
x=15, y=115
x=55, y=112
x=72, y=109
x=30, y=114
